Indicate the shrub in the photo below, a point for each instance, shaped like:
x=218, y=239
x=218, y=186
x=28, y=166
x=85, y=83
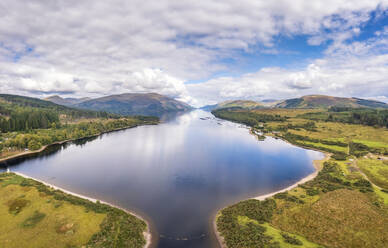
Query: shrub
x=363, y=183
x=291, y=240
x=340, y=156
x=312, y=191
x=17, y=205
x=34, y=219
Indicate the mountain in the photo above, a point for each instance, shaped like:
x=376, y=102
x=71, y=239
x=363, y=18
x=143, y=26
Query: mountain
x=321, y=101
x=14, y=103
x=66, y=101
x=150, y=104
x=243, y=104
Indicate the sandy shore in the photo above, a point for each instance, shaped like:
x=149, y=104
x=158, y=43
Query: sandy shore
x=147, y=233
x=21, y=154
x=318, y=166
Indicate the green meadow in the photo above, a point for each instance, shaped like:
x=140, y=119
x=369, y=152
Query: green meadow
x=34, y=215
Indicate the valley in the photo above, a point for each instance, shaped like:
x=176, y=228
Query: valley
x=306, y=207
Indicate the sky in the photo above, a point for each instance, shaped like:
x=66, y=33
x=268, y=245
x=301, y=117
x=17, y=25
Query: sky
x=200, y=52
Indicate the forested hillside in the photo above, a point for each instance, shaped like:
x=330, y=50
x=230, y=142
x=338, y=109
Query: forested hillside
x=18, y=113
x=27, y=124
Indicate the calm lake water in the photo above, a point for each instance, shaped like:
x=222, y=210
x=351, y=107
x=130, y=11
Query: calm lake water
x=176, y=174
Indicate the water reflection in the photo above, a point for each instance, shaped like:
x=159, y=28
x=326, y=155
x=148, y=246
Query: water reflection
x=177, y=173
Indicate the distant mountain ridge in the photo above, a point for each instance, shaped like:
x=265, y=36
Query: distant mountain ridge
x=321, y=101
x=66, y=101
x=243, y=104
x=309, y=101
x=10, y=104
x=149, y=104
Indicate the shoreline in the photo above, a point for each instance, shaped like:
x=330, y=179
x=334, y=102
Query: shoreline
x=147, y=234
x=43, y=148
x=317, y=165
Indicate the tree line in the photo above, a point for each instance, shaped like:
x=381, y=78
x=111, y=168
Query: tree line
x=28, y=119
x=19, y=113
x=363, y=116
x=35, y=139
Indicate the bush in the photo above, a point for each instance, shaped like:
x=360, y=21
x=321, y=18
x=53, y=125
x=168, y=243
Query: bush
x=312, y=191
x=363, y=183
x=340, y=156
x=287, y=197
x=291, y=240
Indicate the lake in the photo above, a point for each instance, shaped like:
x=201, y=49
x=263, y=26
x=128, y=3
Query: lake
x=177, y=174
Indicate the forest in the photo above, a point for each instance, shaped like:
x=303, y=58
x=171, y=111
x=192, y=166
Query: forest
x=19, y=113
x=30, y=123
x=34, y=139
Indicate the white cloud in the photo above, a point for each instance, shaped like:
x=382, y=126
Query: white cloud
x=105, y=47
x=345, y=71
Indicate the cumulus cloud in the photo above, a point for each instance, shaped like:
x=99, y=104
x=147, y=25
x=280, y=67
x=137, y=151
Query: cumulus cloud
x=105, y=47
x=342, y=72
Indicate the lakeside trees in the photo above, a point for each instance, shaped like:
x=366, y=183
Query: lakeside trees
x=300, y=129
x=30, y=123
x=35, y=139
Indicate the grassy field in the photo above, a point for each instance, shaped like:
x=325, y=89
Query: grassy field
x=33, y=215
x=340, y=218
x=333, y=210
x=278, y=237
x=332, y=147
x=376, y=170
x=375, y=137
x=339, y=208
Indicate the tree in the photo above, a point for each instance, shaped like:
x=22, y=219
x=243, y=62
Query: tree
x=34, y=145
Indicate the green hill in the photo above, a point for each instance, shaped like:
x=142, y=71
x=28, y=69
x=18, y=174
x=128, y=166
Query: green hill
x=150, y=104
x=321, y=101
x=242, y=104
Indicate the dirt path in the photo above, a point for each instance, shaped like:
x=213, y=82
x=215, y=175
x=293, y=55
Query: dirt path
x=354, y=164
